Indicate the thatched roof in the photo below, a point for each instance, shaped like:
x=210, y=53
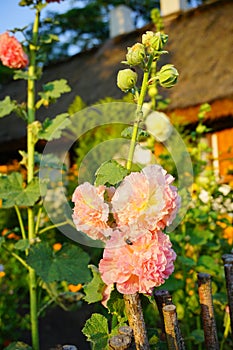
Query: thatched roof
x=200, y=45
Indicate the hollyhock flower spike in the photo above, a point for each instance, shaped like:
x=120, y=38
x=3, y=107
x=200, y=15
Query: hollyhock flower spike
x=146, y=200
x=138, y=267
x=11, y=52
x=90, y=211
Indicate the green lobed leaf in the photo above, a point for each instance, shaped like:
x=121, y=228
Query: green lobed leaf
x=52, y=129
x=7, y=106
x=96, y=331
x=68, y=264
x=116, y=306
x=22, y=244
x=13, y=193
x=94, y=289
x=20, y=74
x=207, y=264
x=54, y=89
x=185, y=261
x=200, y=237
x=110, y=172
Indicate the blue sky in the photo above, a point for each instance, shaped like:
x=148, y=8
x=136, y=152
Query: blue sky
x=12, y=15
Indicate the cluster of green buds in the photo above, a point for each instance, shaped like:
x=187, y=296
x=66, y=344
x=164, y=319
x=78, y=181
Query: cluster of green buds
x=142, y=55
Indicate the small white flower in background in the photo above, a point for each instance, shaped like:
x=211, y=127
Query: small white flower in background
x=158, y=125
x=204, y=196
x=146, y=108
x=228, y=204
x=1, y=268
x=142, y=155
x=225, y=189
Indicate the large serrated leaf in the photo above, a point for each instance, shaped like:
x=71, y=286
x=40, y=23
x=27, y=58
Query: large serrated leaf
x=54, y=89
x=94, y=289
x=116, y=306
x=96, y=331
x=52, y=129
x=68, y=264
x=13, y=193
x=110, y=172
x=6, y=106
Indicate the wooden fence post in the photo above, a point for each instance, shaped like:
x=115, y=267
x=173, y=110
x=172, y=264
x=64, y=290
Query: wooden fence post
x=228, y=268
x=136, y=320
x=172, y=330
x=162, y=298
x=207, y=311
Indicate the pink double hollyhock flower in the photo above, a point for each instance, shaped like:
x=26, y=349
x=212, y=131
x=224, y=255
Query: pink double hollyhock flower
x=143, y=201
x=146, y=200
x=137, y=267
x=11, y=52
x=91, y=212
x=138, y=256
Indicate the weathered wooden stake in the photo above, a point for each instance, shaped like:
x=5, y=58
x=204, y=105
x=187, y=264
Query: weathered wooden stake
x=172, y=330
x=136, y=321
x=207, y=311
x=162, y=298
x=228, y=268
x=123, y=340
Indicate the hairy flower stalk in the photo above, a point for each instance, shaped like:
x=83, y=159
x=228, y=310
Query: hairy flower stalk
x=30, y=174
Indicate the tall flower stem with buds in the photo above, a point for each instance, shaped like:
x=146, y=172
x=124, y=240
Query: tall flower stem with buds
x=144, y=55
x=132, y=301
x=139, y=113
x=30, y=174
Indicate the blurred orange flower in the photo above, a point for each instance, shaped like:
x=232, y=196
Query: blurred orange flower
x=228, y=234
x=57, y=246
x=10, y=235
x=75, y=288
x=2, y=274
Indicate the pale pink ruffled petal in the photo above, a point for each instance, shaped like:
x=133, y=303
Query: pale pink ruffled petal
x=90, y=211
x=138, y=267
x=145, y=200
x=106, y=294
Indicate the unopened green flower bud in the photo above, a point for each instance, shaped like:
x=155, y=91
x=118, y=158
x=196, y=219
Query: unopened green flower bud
x=154, y=42
x=136, y=54
x=126, y=79
x=167, y=76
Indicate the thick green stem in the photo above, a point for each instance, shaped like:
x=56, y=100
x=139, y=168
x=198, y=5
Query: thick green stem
x=19, y=216
x=30, y=175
